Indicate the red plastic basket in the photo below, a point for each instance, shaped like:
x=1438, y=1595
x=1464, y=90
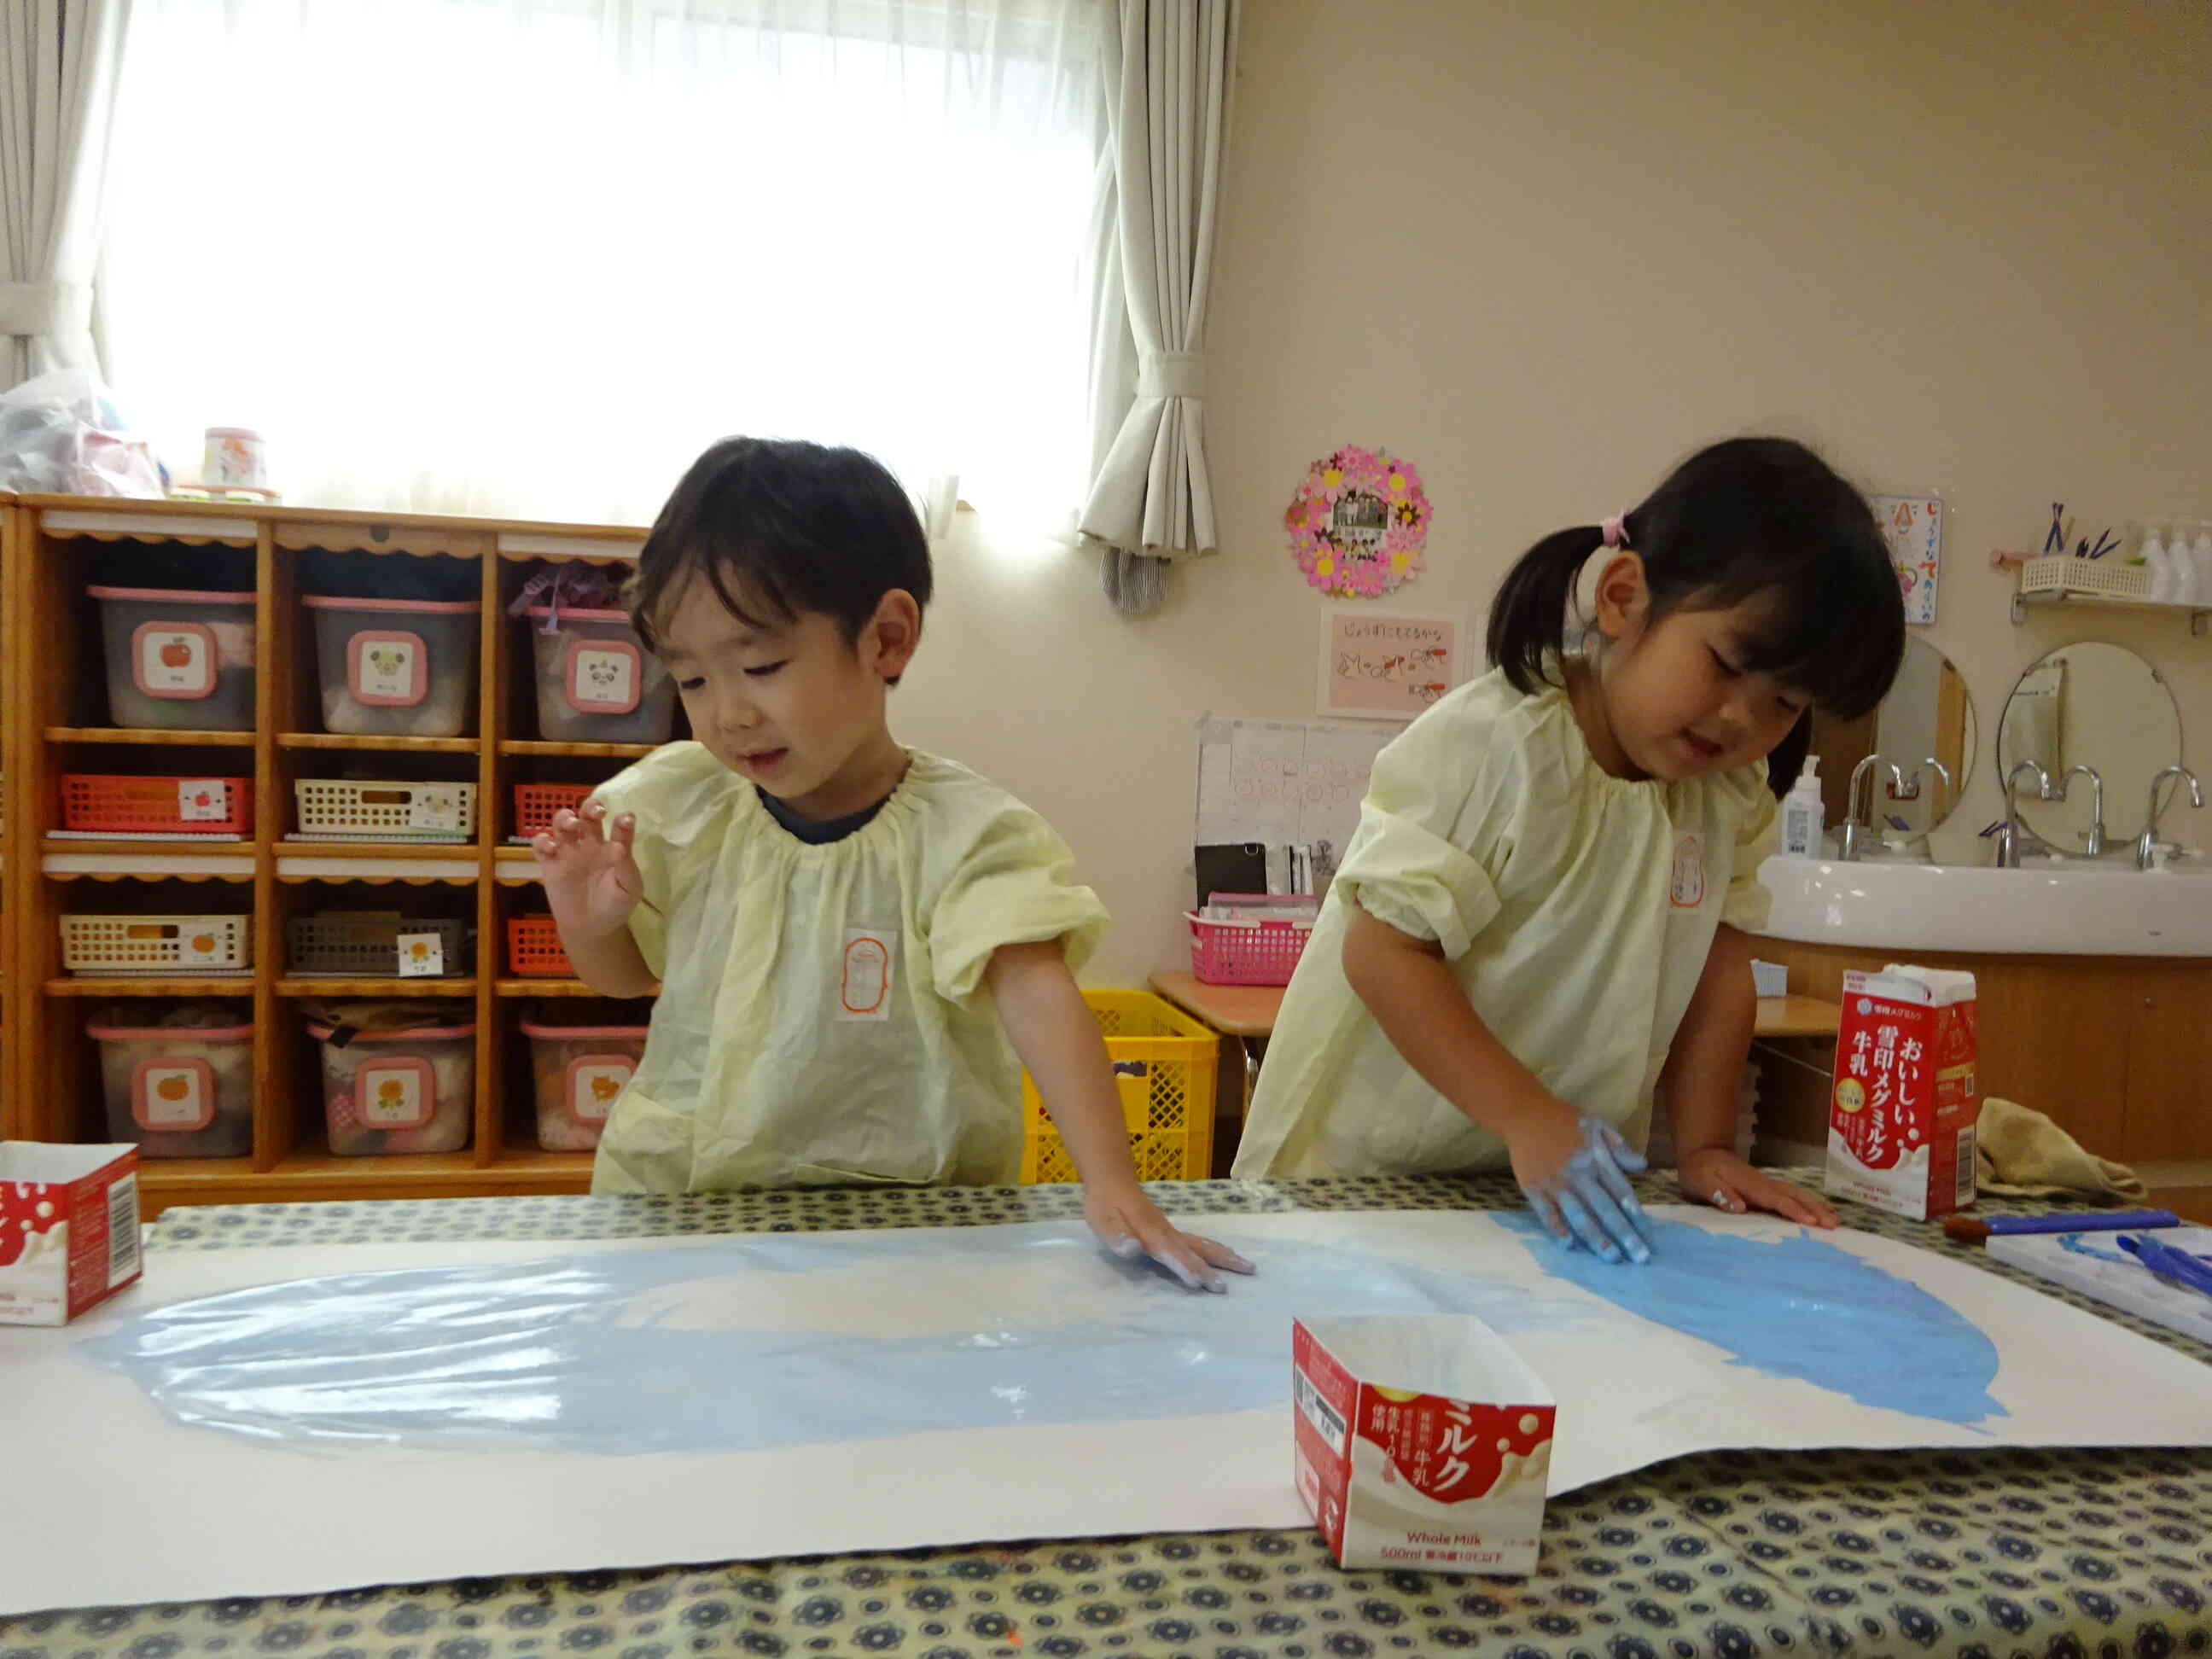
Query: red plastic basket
x=1246, y=952
x=533, y=949
x=103, y=803
x=535, y=804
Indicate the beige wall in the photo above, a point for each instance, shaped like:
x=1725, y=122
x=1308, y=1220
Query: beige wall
x=1545, y=251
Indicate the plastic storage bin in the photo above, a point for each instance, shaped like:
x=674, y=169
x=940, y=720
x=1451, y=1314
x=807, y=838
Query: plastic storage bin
x=110, y=804
x=580, y=1070
x=365, y=945
x=399, y=1091
x=360, y=809
x=534, y=949
x=177, y=1091
x=1163, y=1064
x=146, y=947
x=535, y=805
x=180, y=661
x=596, y=681
x=397, y=667
x=1246, y=952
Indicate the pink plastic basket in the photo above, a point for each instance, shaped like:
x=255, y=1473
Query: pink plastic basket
x=1246, y=952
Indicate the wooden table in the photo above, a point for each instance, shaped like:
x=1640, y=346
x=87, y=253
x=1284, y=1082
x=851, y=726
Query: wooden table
x=1246, y=1013
x=1249, y=1011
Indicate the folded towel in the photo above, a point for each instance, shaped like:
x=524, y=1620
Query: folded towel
x=2020, y=1153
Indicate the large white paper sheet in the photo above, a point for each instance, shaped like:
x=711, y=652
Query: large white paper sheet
x=641, y=1401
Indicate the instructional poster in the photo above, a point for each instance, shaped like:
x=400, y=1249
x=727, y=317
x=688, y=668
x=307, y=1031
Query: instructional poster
x=1386, y=665
x=1275, y=782
x=1913, y=527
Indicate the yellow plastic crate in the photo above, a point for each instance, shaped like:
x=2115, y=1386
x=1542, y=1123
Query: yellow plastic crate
x=1163, y=1064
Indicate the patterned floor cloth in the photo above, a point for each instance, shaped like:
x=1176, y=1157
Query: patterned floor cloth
x=2056, y=1555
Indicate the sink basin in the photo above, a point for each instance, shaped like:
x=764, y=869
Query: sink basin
x=2076, y=908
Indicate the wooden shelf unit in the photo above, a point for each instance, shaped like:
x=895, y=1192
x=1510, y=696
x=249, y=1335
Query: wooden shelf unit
x=52, y=705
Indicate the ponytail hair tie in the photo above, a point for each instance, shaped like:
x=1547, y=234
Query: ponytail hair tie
x=1615, y=530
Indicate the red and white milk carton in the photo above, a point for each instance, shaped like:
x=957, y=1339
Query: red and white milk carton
x=69, y=1228
x=1424, y=1442
x=1902, y=1108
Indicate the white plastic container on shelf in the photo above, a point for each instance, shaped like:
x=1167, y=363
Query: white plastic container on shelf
x=177, y=1091
x=596, y=681
x=396, y=667
x=148, y=946
x=580, y=1070
x=178, y=661
x=399, y=1091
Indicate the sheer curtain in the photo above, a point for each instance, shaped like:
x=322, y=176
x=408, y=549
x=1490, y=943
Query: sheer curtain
x=57, y=80
x=528, y=257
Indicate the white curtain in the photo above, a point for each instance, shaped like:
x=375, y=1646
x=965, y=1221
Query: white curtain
x=1169, y=73
x=529, y=257
x=57, y=61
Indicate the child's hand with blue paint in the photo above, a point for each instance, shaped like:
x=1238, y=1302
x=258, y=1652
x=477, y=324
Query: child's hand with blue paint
x=1575, y=1172
x=1129, y=1225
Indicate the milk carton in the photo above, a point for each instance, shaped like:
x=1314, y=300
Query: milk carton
x=1901, y=1112
x=69, y=1228
x=1423, y=1442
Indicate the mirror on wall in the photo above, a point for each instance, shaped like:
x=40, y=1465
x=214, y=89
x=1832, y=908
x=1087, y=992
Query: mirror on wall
x=1926, y=716
x=2095, y=705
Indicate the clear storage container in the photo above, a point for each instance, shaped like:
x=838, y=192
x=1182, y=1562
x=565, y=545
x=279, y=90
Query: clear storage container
x=596, y=681
x=388, y=1091
x=177, y=1090
x=178, y=661
x=397, y=667
x=580, y=1070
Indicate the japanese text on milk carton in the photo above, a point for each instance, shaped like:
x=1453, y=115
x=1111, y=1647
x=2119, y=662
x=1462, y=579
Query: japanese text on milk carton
x=1441, y=1468
x=1901, y=1112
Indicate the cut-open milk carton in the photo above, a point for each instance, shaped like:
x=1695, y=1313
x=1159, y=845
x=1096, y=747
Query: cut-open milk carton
x=1424, y=1442
x=69, y=1228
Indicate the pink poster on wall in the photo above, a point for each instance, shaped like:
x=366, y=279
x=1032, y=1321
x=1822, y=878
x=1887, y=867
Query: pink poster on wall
x=1387, y=665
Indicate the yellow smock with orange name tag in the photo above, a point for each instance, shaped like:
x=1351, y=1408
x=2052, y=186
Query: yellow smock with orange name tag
x=822, y=1016
x=1575, y=909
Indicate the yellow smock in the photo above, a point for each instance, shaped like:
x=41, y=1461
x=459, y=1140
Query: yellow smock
x=822, y=1016
x=1575, y=910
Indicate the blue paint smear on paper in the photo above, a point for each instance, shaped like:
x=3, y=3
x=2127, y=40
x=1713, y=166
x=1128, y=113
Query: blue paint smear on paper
x=582, y=1352
x=563, y=1351
x=1796, y=1307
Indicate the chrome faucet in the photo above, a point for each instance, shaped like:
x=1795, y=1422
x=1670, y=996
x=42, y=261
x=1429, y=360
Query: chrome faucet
x=2096, y=847
x=2147, y=842
x=1942, y=805
x=1854, y=826
x=2009, y=837
x=1939, y=808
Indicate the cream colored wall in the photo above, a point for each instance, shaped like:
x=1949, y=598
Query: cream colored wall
x=1545, y=251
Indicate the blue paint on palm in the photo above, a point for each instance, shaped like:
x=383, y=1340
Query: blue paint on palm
x=1796, y=1307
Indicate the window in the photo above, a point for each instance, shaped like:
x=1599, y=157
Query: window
x=522, y=258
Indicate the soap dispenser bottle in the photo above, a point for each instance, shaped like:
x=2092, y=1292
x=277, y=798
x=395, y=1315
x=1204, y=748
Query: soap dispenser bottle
x=2187, y=581
x=2201, y=556
x=2161, y=567
x=1802, y=813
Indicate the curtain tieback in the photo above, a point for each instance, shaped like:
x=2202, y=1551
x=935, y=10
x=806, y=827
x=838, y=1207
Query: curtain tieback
x=1171, y=375
x=43, y=307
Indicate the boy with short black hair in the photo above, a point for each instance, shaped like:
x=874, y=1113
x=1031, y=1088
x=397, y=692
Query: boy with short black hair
x=847, y=932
